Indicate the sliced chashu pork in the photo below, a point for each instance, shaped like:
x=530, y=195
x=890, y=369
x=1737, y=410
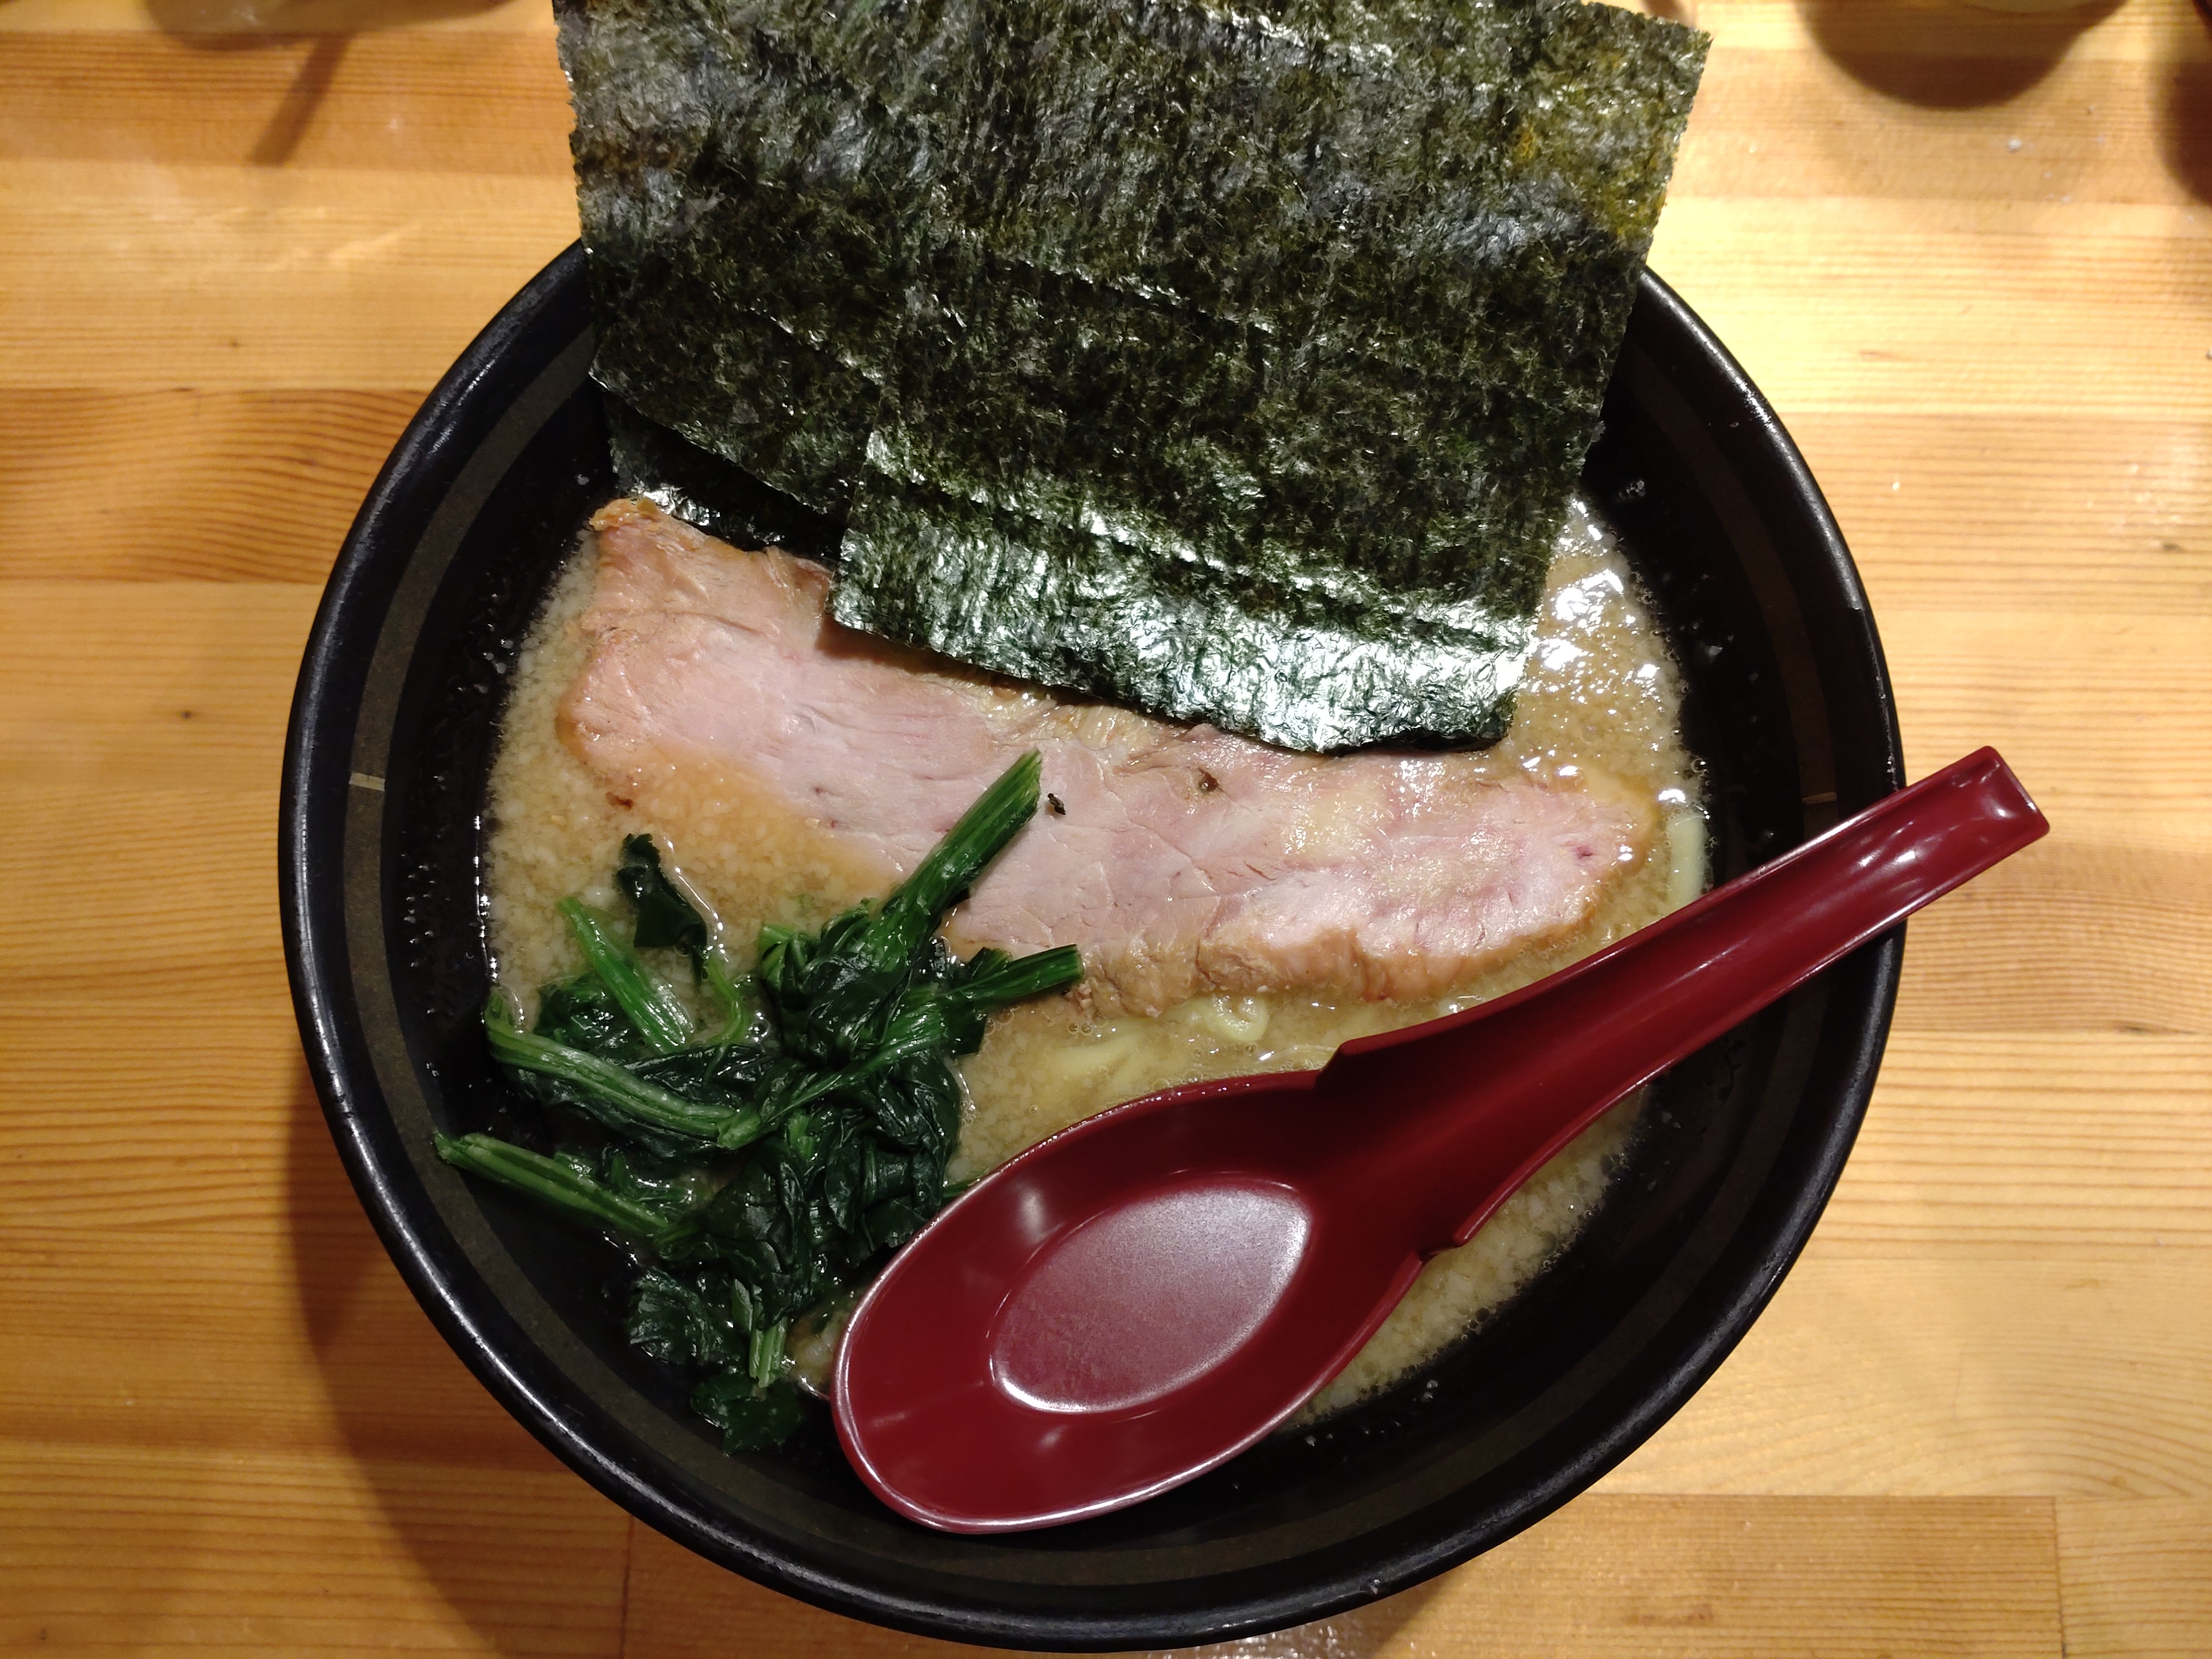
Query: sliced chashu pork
x=1180, y=858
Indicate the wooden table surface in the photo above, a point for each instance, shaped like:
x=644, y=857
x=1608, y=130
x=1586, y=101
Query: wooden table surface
x=1968, y=256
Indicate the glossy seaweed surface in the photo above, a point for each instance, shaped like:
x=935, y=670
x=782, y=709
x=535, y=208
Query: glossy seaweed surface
x=1237, y=366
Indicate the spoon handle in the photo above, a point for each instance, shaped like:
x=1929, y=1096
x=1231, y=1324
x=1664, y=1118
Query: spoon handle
x=1502, y=1087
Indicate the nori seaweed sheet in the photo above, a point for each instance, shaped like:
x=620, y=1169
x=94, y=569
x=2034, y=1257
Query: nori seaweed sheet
x=661, y=466
x=744, y=228
x=1236, y=366
x=1186, y=637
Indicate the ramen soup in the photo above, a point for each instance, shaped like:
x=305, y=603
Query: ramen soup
x=1597, y=717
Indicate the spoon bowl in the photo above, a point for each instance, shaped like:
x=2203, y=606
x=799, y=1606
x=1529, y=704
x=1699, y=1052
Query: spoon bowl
x=1140, y=1297
x=1080, y=1312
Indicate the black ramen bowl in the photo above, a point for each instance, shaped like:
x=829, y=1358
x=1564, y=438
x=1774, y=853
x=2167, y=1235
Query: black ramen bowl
x=1788, y=707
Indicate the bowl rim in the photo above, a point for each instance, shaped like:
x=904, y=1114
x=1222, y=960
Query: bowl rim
x=444, y=433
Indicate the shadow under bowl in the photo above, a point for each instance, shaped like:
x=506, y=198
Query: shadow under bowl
x=1788, y=707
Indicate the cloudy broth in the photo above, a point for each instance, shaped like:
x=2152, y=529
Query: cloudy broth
x=1600, y=694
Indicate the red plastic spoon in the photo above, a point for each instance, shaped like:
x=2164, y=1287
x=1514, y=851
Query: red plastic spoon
x=1141, y=1296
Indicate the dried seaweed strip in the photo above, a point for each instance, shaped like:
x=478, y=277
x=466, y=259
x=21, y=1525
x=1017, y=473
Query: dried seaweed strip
x=1097, y=147
x=1507, y=334
x=1356, y=458
x=752, y=225
x=1607, y=99
x=1051, y=602
x=1153, y=147
x=1114, y=410
x=1446, y=501
x=703, y=489
x=1322, y=313
x=1342, y=187
x=1095, y=139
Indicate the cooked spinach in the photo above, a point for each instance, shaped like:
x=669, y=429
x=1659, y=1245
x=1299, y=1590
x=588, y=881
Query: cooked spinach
x=650, y=1006
x=770, y=1163
x=667, y=918
x=567, y=1184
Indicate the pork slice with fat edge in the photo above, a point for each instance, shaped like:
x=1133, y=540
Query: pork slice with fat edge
x=1181, y=860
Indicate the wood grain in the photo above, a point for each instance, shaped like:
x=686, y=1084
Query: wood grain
x=2096, y=745
x=1967, y=255
x=479, y=102
x=2066, y=1145
x=2138, y=1578
x=251, y=21
x=144, y=1549
x=2031, y=512
x=2088, y=1374
x=199, y=700
x=1783, y=123
x=180, y=484
x=1641, y=1579
x=2008, y=954
x=121, y=275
